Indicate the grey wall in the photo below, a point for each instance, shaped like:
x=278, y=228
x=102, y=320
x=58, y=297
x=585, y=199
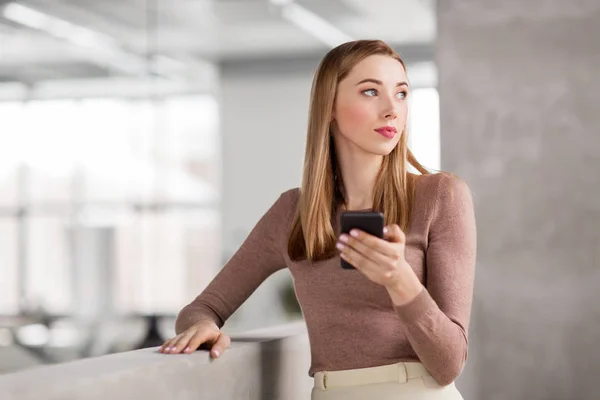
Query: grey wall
x=264, y=116
x=519, y=95
x=264, y=108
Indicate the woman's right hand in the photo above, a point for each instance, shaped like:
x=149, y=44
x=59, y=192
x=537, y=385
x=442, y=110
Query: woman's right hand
x=200, y=333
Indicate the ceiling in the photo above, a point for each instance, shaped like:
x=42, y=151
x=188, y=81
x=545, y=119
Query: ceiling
x=47, y=40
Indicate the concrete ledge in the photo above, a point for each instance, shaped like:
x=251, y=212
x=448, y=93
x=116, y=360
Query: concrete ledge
x=269, y=363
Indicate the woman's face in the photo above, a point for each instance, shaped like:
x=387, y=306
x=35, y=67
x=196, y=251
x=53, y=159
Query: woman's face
x=370, y=109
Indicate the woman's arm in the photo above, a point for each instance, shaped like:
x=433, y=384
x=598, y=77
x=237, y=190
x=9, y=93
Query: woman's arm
x=260, y=255
x=437, y=319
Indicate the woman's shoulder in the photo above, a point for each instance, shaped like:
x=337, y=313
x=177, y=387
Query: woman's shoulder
x=290, y=196
x=441, y=187
x=287, y=202
x=282, y=209
x=444, y=181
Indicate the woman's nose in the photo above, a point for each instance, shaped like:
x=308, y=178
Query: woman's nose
x=389, y=109
x=390, y=112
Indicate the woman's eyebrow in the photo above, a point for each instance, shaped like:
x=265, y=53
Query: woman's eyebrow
x=378, y=82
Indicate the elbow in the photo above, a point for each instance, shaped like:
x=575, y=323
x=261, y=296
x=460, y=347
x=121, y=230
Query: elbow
x=455, y=359
x=448, y=376
x=451, y=369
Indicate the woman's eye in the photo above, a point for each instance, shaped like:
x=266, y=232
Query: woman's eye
x=373, y=92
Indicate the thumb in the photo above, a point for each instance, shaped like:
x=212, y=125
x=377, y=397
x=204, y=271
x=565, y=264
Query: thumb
x=219, y=347
x=393, y=233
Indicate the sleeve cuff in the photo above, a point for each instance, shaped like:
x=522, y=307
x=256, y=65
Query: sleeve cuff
x=420, y=306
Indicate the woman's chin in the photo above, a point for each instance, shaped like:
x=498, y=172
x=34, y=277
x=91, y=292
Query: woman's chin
x=381, y=150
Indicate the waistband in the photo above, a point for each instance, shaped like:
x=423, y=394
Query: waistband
x=399, y=372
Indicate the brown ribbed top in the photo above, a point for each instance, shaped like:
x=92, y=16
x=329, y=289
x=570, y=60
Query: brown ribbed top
x=351, y=321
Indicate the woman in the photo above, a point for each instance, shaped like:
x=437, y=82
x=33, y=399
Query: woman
x=396, y=326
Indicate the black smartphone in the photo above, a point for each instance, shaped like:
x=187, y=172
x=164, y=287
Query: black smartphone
x=368, y=221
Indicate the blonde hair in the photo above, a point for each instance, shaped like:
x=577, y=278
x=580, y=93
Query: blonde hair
x=312, y=234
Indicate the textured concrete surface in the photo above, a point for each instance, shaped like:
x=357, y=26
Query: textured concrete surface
x=268, y=364
x=520, y=121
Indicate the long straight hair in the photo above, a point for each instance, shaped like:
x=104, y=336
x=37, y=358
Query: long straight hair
x=312, y=235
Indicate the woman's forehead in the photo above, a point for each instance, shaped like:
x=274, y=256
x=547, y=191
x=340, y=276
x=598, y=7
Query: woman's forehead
x=383, y=68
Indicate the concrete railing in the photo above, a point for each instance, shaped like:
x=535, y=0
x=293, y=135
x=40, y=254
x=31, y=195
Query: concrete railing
x=270, y=363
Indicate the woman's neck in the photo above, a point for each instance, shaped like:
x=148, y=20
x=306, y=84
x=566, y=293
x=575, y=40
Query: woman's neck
x=359, y=174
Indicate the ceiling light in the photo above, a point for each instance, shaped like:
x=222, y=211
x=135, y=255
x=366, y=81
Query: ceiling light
x=55, y=26
x=312, y=23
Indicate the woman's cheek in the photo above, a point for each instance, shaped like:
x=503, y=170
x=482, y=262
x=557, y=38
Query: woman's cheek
x=403, y=113
x=355, y=115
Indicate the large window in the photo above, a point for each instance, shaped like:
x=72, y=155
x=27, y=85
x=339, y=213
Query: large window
x=425, y=127
x=113, y=199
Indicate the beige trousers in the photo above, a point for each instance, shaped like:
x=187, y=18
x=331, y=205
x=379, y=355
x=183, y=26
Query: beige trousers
x=404, y=380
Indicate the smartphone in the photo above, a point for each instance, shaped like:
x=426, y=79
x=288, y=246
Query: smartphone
x=371, y=222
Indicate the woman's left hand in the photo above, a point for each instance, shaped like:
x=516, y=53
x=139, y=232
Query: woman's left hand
x=380, y=260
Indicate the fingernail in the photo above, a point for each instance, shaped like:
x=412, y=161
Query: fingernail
x=187, y=349
x=344, y=238
x=339, y=246
x=354, y=233
x=216, y=353
x=385, y=230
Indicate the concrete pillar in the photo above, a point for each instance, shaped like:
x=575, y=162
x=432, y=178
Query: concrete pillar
x=92, y=273
x=519, y=95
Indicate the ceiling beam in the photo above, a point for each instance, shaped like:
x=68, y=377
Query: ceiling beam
x=277, y=64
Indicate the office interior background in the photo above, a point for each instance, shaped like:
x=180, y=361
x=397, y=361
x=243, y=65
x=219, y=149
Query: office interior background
x=141, y=140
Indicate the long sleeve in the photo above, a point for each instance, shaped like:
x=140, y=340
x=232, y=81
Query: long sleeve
x=437, y=320
x=258, y=257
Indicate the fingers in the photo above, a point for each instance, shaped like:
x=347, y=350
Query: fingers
x=176, y=344
x=354, y=258
x=207, y=336
x=370, y=253
x=373, y=259
x=381, y=272
x=347, y=244
x=166, y=346
x=190, y=340
x=374, y=262
x=180, y=344
x=369, y=245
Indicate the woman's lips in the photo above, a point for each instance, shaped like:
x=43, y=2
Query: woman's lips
x=387, y=131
